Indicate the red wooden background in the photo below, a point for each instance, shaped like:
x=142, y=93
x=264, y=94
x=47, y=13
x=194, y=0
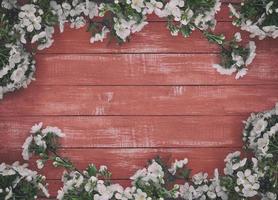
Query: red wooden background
x=122, y=105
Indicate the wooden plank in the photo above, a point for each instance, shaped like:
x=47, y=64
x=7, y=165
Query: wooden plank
x=122, y=132
x=147, y=69
x=125, y=162
x=139, y=100
x=154, y=38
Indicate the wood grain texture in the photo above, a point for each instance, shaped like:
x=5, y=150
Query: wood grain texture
x=124, y=162
x=122, y=105
x=139, y=100
x=131, y=131
x=147, y=69
x=154, y=38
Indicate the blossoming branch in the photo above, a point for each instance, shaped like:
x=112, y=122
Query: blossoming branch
x=33, y=22
x=242, y=178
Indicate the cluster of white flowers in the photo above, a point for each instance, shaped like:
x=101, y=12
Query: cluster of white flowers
x=9, y=4
x=233, y=162
x=203, y=188
x=207, y=19
x=244, y=178
x=247, y=178
x=180, y=12
x=124, y=28
x=18, y=174
x=153, y=173
x=38, y=138
x=240, y=62
x=178, y=164
x=269, y=196
x=36, y=23
x=259, y=132
x=19, y=68
x=74, y=12
x=30, y=20
x=247, y=183
x=257, y=28
x=100, y=36
x=101, y=190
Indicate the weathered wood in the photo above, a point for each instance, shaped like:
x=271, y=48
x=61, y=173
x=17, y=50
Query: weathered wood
x=147, y=69
x=154, y=38
x=161, y=131
x=125, y=162
x=184, y=108
x=139, y=100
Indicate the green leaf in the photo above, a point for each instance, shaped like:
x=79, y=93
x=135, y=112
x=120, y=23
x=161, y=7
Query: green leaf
x=92, y=170
x=186, y=173
x=186, y=31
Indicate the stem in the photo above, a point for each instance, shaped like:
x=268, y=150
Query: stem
x=221, y=45
x=73, y=167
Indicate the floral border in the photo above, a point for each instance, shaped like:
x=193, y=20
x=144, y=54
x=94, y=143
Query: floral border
x=33, y=22
x=242, y=178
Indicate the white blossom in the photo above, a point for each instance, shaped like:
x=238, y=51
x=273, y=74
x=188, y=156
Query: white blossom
x=9, y=4
x=269, y=196
x=47, y=38
x=187, y=192
x=224, y=71
x=1, y=92
x=252, y=53
x=178, y=164
x=30, y=17
x=153, y=173
x=122, y=28
x=18, y=75
x=187, y=16
x=233, y=11
x=256, y=28
x=137, y=27
x=237, y=37
x=38, y=139
x=268, y=7
x=36, y=128
x=19, y=174
x=9, y=195
x=136, y=4
x=89, y=186
x=40, y=164
x=153, y=6
x=25, y=153
x=19, y=62
x=249, y=182
x=91, y=9
x=44, y=190
x=259, y=126
x=139, y=174
x=242, y=72
x=173, y=7
x=102, y=168
x=200, y=178
x=100, y=36
x=140, y=195
x=124, y=194
x=55, y=130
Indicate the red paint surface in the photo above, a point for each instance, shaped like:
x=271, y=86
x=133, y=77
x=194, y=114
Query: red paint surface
x=122, y=105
